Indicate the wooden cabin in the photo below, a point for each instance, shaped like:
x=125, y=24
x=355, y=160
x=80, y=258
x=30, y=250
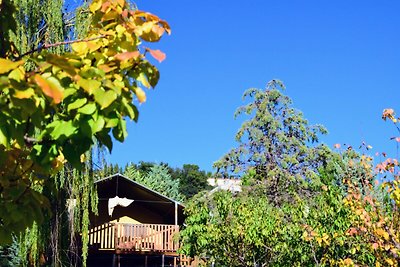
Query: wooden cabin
x=135, y=226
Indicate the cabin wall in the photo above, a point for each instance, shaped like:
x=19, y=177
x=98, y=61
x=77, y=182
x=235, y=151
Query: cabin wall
x=135, y=211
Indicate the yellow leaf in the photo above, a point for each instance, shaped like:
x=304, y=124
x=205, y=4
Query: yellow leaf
x=89, y=85
x=142, y=78
x=7, y=65
x=96, y=4
x=390, y=262
x=120, y=30
x=141, y=95
x=80, y=47
x=17, y=74
x=24, y=94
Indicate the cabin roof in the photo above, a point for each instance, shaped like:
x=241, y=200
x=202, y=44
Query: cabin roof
x=152, y=192
x=144, y=197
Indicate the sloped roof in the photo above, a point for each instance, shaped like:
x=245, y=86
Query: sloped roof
x=144, y=197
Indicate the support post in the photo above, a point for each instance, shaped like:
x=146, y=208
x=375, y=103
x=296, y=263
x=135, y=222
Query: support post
x=176, y=213
x=145, y=261
x=162, y=260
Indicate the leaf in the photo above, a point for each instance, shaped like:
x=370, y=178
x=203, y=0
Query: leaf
x=17, y=74
x=62, y=63
x=95, y=5
x=77, y=104
x=87, y=109
x=80, y=47
x=89, y=85
x=140, y=94
x=127, y=55
x=50, y=87
x=158, y=54
x=142, y=78
x=7, y=65
x=98, y=125
x=3, y=137
x=24, y=94
x=106, y=68
x=64, y=128
x=104, y=98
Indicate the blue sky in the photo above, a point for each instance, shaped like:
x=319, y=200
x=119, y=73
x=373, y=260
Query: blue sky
x=338, y=59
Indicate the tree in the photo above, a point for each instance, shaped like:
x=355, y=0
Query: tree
x=191, y=179
x=276, y=145
x=230, y=230
x=55, y=107
x=158, y=179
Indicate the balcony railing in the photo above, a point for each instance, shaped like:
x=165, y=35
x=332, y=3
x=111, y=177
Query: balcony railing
x=127, y=237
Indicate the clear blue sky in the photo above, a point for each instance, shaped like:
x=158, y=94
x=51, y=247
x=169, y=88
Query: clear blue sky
x=340, y=61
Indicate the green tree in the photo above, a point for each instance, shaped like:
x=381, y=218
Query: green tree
x=276, y=144
x=158, y=179
x=191, y=179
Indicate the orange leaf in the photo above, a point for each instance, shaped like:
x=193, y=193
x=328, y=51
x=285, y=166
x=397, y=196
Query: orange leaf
x=388, y=113
x=158, y=54
x=127, y=55
x=49, y=88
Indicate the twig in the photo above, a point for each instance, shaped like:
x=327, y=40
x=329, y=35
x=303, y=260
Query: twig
x=47, y=46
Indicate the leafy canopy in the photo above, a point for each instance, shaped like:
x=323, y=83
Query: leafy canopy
x=53, y=113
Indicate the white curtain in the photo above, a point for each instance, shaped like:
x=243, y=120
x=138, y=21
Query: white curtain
x=115, y=201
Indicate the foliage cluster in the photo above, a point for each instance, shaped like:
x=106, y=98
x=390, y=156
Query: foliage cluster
x=58, y=98
x=301, y=204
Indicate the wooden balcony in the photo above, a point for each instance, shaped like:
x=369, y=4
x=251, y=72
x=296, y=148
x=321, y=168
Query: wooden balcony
x=131, y=238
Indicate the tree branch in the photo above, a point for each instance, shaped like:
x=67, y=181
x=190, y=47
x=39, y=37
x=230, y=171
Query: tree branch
x=47, y=46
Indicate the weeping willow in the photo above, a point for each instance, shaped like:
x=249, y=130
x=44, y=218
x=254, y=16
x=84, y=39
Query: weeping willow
x=62, y=240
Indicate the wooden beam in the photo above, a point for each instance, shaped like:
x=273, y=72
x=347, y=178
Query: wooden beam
x=176, y=213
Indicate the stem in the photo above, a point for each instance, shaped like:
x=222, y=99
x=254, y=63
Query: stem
x=47, y=46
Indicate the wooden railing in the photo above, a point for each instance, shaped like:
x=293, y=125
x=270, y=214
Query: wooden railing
x=134, y=237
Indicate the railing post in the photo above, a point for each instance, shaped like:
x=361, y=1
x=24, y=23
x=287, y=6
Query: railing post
x=115, y=235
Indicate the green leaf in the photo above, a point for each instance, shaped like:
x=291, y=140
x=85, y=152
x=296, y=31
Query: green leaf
x=77, y=104
x=105, y=139
x=98, y=125
x=88, y=109
x=104, y=98
x=64, y=128
x=4, y=136
x=90, y=86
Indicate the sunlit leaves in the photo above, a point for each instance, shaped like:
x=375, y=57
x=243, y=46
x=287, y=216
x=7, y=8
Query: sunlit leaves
x=8, y=65
x=50, y=87
x=55, y=111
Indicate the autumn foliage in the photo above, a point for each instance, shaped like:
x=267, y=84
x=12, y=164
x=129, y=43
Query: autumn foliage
x=55, y=107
